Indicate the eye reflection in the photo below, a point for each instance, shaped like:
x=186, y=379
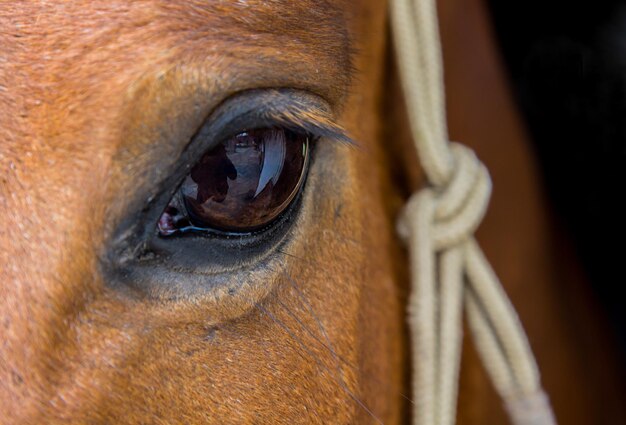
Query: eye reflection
x=241, y=185
x=209, y=179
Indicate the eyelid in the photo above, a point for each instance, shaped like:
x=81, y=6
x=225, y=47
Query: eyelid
x=312, y=118
x=295, y=110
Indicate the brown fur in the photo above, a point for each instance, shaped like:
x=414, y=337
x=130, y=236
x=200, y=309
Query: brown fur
x=95, y=95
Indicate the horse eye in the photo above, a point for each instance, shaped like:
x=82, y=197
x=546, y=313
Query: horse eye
x=241, y=185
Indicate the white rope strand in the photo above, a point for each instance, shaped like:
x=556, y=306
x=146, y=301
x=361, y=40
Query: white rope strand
x=503, y=319
x=450, y=334
x=422, y=95
x=448, y=268
x=422, y=308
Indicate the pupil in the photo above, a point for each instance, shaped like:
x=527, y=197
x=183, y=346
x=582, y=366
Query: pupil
x=247, y=181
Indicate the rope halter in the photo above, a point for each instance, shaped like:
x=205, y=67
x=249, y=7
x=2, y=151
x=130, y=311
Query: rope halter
x=449, y=270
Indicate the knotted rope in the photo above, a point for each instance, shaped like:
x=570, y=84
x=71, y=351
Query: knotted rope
x=449, y=269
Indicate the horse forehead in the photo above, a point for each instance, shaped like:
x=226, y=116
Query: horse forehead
x=79, y=15
x=65, y=55
x=54, y=32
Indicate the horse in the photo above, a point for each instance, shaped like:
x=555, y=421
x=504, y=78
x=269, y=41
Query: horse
x=108, y=106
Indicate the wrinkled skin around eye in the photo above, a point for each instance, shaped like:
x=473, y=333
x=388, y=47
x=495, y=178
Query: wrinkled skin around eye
x=240, y=185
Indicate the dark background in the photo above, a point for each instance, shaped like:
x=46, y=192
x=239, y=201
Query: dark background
x=567, y=65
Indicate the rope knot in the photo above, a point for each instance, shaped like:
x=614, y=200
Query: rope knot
x=456, y=208
x=448, y=268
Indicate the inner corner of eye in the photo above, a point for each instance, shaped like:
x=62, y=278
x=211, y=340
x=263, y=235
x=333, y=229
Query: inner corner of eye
x=241, y=185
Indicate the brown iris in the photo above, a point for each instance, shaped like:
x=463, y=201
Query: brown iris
x=240, y=185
